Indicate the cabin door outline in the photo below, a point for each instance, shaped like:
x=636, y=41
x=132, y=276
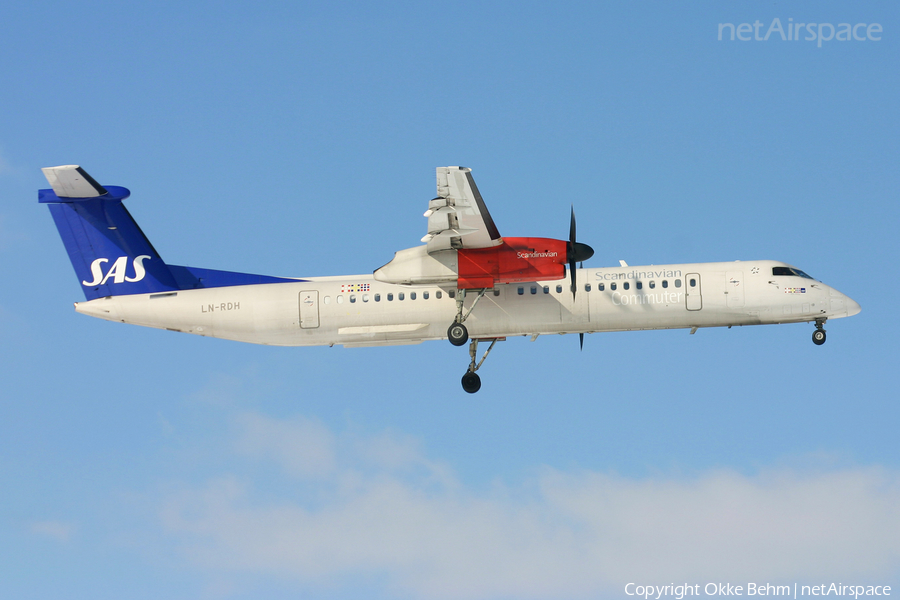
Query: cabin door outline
x=734, y=286
x=309, y=309
x=693, y=300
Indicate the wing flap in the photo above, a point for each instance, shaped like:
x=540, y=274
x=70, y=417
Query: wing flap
x=458, y=217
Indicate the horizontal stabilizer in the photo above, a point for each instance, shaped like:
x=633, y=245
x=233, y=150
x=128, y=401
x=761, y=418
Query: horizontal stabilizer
x=71, y=181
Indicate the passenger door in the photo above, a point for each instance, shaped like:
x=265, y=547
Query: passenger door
x=734, y=287
x=309, y=309
x=692, y=298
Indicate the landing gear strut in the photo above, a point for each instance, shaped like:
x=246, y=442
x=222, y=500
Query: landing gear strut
x=471, y=382
x=818, y=335
x=457, y=333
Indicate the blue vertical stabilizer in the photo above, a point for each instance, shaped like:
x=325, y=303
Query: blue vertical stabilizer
x=110, y=253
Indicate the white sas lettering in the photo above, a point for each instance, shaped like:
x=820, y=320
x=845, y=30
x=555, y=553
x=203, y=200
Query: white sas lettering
x=117, y=271
x=96, y=271
x=139, y=270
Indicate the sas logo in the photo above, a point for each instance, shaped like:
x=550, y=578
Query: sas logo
x=117, y=270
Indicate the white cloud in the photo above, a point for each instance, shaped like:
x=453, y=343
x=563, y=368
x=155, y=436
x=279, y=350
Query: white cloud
x=57, y=530
x=382, y=508
x=303, y=447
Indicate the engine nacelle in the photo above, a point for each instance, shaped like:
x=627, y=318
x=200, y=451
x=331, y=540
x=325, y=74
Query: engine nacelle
x=516, y=260
x=416, y=266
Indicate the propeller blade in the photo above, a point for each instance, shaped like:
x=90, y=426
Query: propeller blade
x=572, y=276
x=576, y=251
x=571, y=250
x=572, y=226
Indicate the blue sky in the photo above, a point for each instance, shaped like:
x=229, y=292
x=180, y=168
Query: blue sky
x=301, y=140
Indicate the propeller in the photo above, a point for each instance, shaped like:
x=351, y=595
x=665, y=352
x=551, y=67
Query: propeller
x=576, y=252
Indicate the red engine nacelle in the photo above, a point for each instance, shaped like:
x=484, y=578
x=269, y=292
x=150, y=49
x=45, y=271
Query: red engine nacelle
x=515, y=260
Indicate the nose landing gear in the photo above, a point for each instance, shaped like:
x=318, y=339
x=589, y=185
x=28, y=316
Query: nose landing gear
x=818, y=336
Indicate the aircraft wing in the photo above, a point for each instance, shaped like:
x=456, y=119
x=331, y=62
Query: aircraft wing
x=458, y=217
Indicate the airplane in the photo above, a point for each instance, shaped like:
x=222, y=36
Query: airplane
x=464, y=283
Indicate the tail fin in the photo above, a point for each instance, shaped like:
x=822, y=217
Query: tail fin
x=110, y=253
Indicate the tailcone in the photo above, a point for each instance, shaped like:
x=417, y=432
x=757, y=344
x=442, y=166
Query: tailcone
x=102, y=308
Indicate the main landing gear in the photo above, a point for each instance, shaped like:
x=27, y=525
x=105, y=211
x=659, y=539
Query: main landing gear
x=818, y=335
x=457, y=333
x=471, y=382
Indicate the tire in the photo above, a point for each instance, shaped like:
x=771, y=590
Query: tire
x=458, y=334
x=818, y=337
x=471, y=382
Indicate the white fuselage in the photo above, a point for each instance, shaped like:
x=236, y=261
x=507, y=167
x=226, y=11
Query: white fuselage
x=360, y=311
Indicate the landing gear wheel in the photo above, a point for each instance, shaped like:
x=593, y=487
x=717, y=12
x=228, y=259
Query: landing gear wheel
x=818, y=337
x=458, y=334
x=471, y=382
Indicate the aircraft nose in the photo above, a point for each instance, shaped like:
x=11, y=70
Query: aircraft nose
x=852, y=305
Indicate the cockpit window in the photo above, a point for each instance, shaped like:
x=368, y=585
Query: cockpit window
x=790, y=271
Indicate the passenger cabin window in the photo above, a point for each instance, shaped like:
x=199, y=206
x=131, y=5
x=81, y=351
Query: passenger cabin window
x=559, y=289
x=401, y=296
x=521, y=291
x=412, y=295
x=626, y=285
x=678, y=283
x=601, y=286
x=496, y=292
x=452, y=293
x=652, y=285
x=377, y=297
x=424, y=295
x=438, y=295
x=639, y=284
x=789, y=271
x=546, y=289
x=533, y=290
x=587, y=287
x=365, y=297
x=665, y=283
x=693, y=282
x=612, y=286
x=390, y=297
